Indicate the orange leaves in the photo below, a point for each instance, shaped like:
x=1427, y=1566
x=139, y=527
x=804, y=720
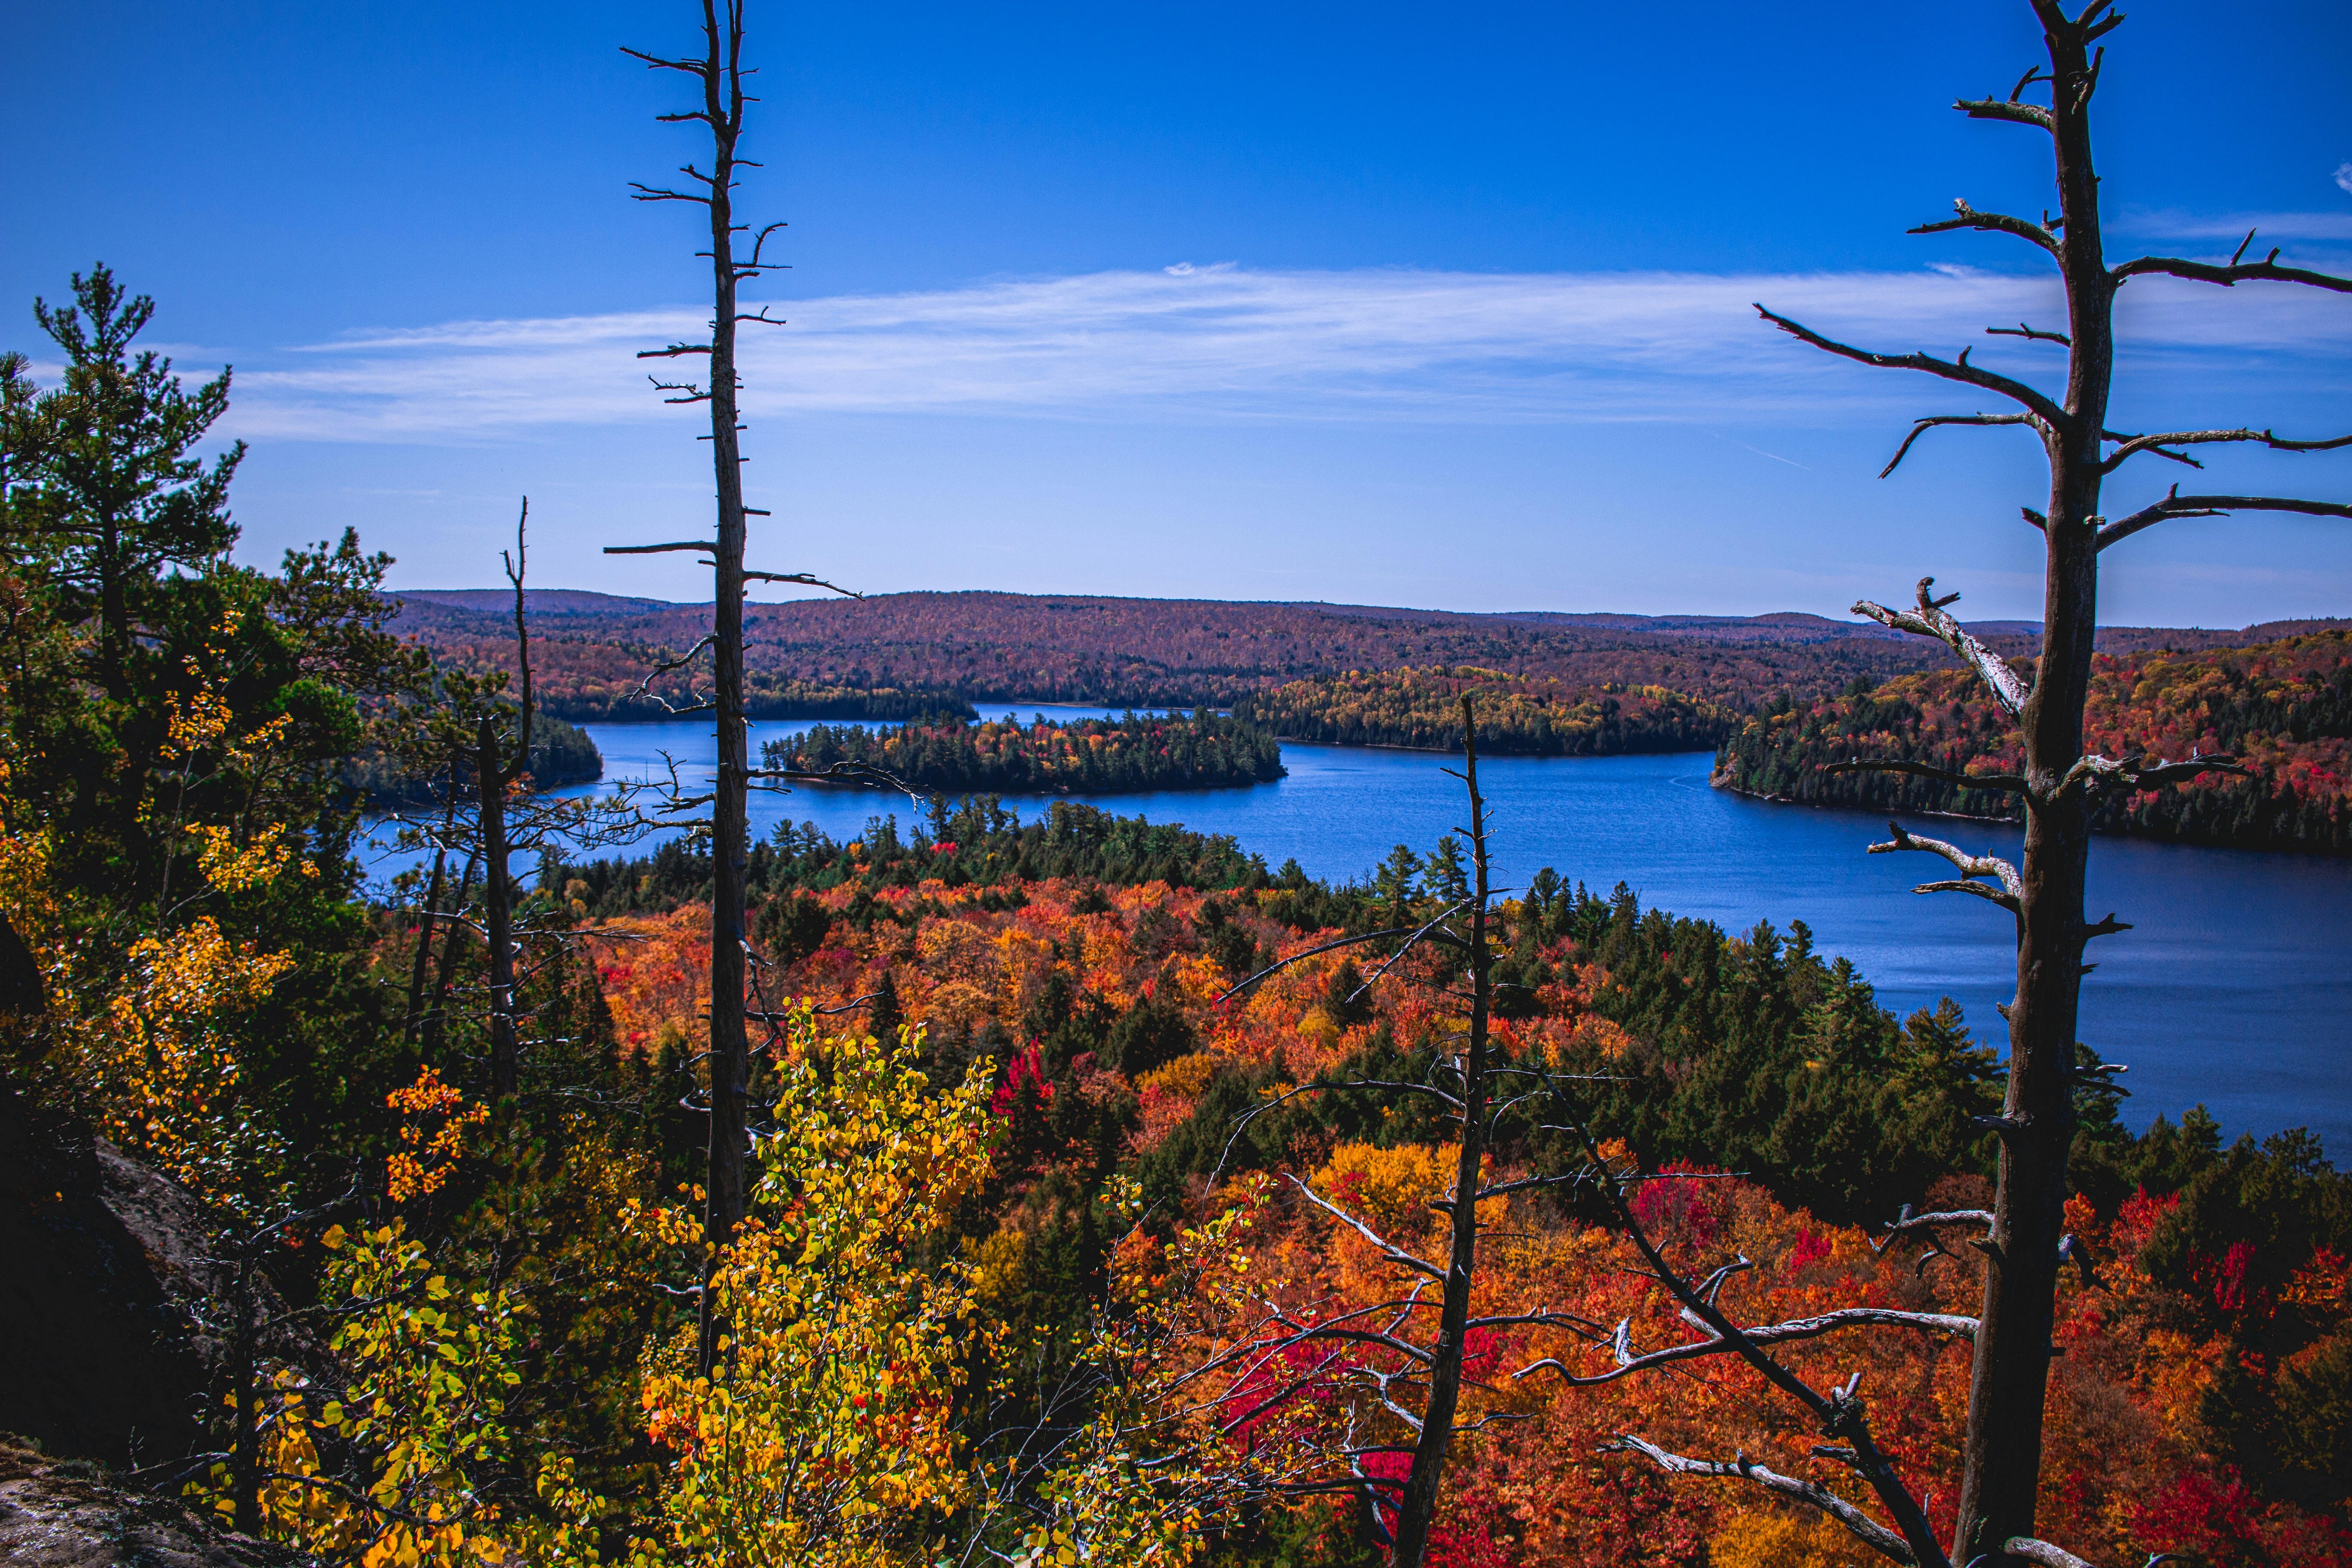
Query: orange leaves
x=427, y=1159
x=656, y=976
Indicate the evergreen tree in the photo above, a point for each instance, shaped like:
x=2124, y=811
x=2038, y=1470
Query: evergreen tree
x=109, y=491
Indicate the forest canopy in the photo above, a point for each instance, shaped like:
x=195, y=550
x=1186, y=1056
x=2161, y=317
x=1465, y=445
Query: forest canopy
x=2283, y=709
x=1128, y=755
x=1520, y=717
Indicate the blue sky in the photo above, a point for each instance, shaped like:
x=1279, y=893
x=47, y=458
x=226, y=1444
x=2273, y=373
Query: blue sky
x=1279, y=302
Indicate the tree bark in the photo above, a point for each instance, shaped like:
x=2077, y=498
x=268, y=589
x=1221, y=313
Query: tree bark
x=416, y=1019
x=497, y=909
x=444, y=974
x=2009, y=1384
x=1418, y=1507
x=731, y=833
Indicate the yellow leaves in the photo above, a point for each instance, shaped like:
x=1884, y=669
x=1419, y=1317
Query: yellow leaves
x=195, y=721
x=1187, y=1076
x=1389, y=1188
x=232, y=869
x=163, y=1057
x=422, y=1408
x=1794, y=1540
x=831, y=1422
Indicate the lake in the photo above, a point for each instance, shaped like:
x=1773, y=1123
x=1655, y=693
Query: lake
x=2234, y=987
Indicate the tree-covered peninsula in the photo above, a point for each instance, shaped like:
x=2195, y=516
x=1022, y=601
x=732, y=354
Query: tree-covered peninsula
x=1526, y=716
x=1127, y=755
x=561, y=754
x=2283, y=709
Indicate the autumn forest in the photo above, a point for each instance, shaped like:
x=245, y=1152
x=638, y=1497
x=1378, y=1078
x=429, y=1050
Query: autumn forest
x=1018, y=1182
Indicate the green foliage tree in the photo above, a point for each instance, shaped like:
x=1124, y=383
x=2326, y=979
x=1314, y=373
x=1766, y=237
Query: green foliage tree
x=118, y=493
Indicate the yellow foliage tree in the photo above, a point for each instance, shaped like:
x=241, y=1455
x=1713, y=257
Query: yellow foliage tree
x=827, y=1435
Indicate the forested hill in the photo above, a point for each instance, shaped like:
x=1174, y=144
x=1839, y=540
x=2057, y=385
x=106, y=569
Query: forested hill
x=1530, y=717
x=2285, y=707
x=823, y=657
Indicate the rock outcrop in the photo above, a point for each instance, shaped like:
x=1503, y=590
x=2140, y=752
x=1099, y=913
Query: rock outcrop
x=67, y=1514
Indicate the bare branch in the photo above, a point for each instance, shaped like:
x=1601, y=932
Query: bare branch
x=1389, y=1251
x=2042, y=1552
x=1922, y=426
x=2137, y=773
x=1768, y=1334
x=801, y=577
x=1994, y=223
x=658, y=549
x=2022, y=330
x=675, y=349
x=1865, y=1529
x=2010, y=895
x=1930, y=621
x=1958, y=370
x=2008, y=109
x=2134, y=445
x=2176, y=505
x=1907, y=1221
x=2266, y=270
x=1280, y=964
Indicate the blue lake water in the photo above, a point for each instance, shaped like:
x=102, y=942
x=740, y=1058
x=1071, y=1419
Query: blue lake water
x=2234, y=987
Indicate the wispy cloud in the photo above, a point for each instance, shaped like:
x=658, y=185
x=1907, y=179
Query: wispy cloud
x=2171, y=224
x=1224, y=342
x=2344, y=178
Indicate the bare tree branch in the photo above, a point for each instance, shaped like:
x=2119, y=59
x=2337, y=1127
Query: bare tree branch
x=2050, y=1556
x=802, y=577
x=2266, y=270
x=1278, y=965
x=2009, y=110
x=2134, y=445
x=1868, y=1531
x=1929, y=620
x=2137, y=773
x=1389, y=1251
x=1767, y=1334
x=1920, y=427
x=2176, y=505
x=1994, y=223
x=2010, y=895
x=1958, y=370
x=2022, y=330
x=658, y=549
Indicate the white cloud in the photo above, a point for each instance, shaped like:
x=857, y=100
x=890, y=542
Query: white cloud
x=1224, y=341
x=2344, y=178
x=2232, y=227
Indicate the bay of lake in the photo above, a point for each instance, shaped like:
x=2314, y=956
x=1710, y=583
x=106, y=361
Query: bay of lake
x=2233, y=988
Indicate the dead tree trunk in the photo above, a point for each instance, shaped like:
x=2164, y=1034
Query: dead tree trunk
x=2002, y=1454
x=1411, y=1367
x=497, y=907
x=415, y=1017
x=719, y=73
x=444, y=974
x=1418, y=1507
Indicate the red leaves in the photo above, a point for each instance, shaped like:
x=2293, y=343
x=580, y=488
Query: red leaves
x=2220, y=1521
x=1027, y=1067
x=1682, y=1210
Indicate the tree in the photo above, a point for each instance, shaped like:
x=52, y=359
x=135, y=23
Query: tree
x=2059, y=784
x=474, y=744
x=718, y=71
x=1299, y=1394
x=118, y=494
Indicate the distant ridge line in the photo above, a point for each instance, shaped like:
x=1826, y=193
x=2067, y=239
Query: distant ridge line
x=589, y=601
